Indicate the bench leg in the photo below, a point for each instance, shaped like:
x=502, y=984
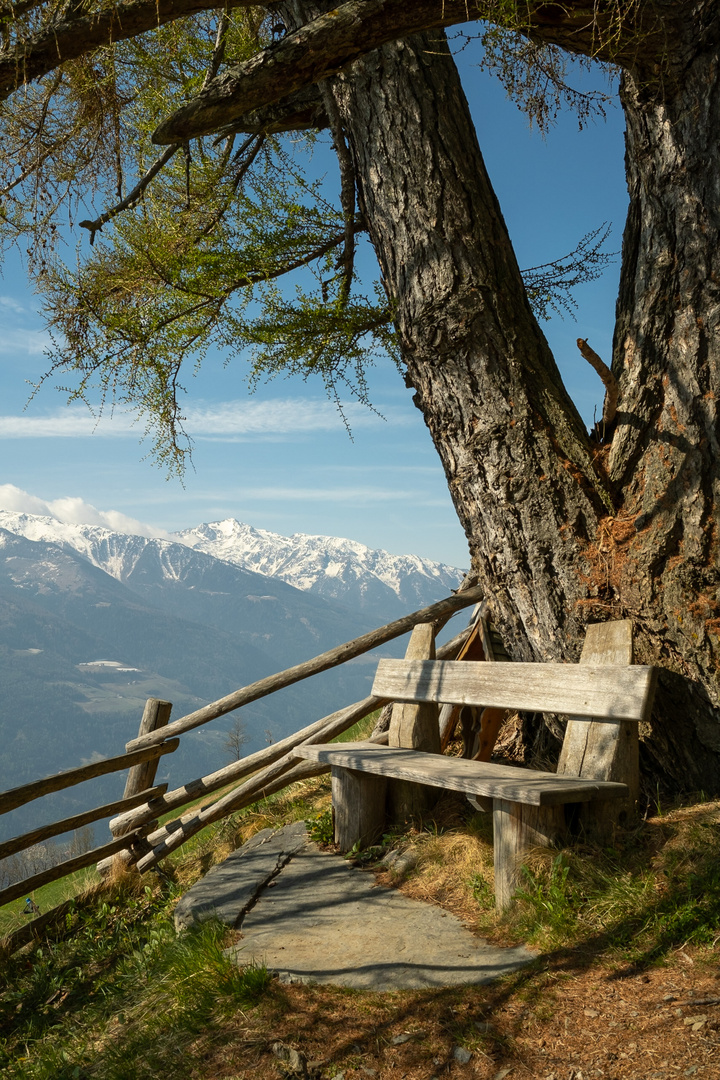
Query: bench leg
x=359, y=804
x=517, y=828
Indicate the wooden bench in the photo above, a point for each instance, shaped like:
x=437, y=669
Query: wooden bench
x=598, y=763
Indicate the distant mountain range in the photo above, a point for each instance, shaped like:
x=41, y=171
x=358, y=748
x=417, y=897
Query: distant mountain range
x=374, y=583
x=188, y=621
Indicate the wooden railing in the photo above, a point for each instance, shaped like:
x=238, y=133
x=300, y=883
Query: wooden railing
x=135, y=836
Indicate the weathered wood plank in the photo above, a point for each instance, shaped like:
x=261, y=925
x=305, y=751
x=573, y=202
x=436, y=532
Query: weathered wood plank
x=18, y=796
x=64, y=869
x=156, y=715
x=605, y=643
x=459, y=774
x=299, y=672
x=415, y=727
x=604, y=749
x=45, y=832
x=617, y=692
x=516, y=830
x=359, y=805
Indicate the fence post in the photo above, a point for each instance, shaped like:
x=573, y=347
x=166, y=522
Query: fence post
x=156, y=714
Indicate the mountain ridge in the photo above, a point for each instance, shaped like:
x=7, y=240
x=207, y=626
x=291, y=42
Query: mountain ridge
x=344, y=570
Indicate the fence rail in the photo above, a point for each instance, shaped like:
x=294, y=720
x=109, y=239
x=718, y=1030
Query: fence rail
x=19, y=796
x=442, y=610
x=70, y=866
x=46, y=832
x=280, y=771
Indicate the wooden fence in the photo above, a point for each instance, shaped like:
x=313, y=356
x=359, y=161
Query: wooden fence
x=135, y=835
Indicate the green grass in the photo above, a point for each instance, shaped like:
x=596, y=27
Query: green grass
x=46, y=898
x=359, y=731
x=114, y=993
x=654, y=890
x=119, y=995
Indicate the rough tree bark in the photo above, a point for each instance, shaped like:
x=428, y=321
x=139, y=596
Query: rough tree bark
x=560, y=532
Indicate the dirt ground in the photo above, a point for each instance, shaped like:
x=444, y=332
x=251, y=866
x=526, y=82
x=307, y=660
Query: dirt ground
x=559, y=1020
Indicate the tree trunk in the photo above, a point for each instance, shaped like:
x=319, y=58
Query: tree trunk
x=560, y=534
x=515, y=452
x=660, y=551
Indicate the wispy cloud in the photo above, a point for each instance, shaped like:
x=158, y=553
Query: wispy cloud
x=72, y=510
x=9, y=303
x=240, y=419
x=72, y=422
x=227, y=422
x=352, y=495
x=16, y=341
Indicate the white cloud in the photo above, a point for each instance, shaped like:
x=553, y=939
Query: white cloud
x=72, y=510
x=9, y=303
x=14, y=498
x=73, y=422
x=283, y=417
x=28, y=342
x=227, y=422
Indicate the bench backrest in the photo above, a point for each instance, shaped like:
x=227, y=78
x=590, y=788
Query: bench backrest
x=612, y=692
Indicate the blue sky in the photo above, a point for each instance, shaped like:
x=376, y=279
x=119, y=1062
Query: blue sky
x=281, y=459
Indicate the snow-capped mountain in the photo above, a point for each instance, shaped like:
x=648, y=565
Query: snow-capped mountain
x=264, y=612
x=372, y=581
x=375, y=583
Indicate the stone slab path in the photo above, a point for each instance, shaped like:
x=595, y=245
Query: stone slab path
x=312, y=917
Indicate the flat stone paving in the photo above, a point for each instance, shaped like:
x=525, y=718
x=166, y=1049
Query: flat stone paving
x=315, y=918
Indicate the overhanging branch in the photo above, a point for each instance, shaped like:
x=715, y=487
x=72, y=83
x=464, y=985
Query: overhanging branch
x=25, y=61
x=304, y=111
x=307, y=56
x=332, y=41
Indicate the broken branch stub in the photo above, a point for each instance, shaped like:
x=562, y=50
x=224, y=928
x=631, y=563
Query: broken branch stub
x=609, y=381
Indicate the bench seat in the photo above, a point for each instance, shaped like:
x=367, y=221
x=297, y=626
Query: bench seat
x=493, y=781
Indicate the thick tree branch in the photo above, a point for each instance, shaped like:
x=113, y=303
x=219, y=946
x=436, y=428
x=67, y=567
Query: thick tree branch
x=331, y=42
x=303, y=111
x=307, y=56
x=25, y=61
